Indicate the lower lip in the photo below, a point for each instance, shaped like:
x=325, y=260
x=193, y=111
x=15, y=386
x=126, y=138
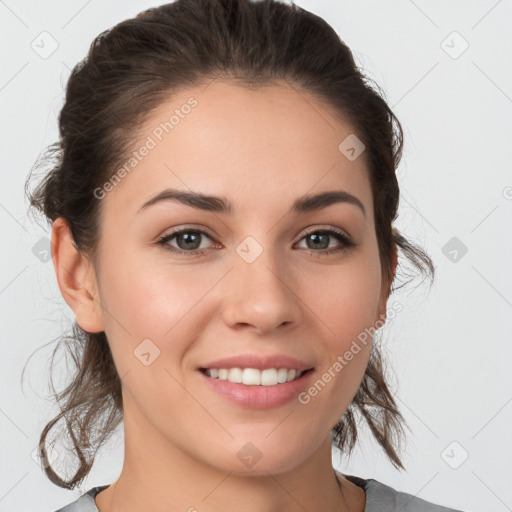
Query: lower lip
x=258, y=397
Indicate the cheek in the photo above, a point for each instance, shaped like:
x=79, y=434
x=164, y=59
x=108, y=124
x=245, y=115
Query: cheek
x=347, y=302
x=150, y=320
x=151, y=301
x=146, y=295
x=347, y=308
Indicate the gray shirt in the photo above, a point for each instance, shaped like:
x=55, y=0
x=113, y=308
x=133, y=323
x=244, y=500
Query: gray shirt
x=379, y=498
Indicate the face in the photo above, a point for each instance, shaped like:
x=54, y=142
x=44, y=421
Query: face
x=191, y=291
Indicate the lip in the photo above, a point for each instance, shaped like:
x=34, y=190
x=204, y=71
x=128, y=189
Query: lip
x=259, y=362
x=258, y=397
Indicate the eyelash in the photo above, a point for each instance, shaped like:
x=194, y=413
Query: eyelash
x=344, y=239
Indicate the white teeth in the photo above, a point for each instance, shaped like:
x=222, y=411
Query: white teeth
x=235, y=375
x=269, y=377
x=282, y=375
x=253, y=376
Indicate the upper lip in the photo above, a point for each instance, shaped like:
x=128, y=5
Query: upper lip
x=260, y=362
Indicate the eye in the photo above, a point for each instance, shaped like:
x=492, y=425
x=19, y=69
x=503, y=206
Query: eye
x=188, y=241
x=320, y=240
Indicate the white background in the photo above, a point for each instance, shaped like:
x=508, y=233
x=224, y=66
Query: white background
x=450, y=347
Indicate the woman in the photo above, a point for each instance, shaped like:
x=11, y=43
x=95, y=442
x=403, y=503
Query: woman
x=222, y=204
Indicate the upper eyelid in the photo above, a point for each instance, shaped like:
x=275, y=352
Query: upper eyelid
x=305, y=232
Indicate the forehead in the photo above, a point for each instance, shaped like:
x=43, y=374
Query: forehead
x=245, y=144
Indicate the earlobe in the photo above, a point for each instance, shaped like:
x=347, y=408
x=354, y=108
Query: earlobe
x=76, y=278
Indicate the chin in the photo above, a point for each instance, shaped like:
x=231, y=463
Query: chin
x=263, y=467
x=258, y=456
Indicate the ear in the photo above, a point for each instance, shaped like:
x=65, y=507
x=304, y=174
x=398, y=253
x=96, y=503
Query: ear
x=76, y=278
x=386, y=286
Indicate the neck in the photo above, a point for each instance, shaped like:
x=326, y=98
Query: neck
x=159, y=476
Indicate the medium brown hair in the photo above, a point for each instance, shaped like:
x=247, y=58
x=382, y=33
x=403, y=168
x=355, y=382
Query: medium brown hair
x=131, y=69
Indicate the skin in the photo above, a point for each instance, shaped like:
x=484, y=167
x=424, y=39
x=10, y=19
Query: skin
x=261, y=149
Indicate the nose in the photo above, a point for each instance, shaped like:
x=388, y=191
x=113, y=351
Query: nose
x=261, y=295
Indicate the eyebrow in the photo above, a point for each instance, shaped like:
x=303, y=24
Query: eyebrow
x=304, y=204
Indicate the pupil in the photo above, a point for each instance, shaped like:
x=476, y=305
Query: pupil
x=190, y=239
x=317, y=236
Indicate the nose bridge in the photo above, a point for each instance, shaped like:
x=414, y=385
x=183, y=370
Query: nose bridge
x=262, y=292
x=264, y=275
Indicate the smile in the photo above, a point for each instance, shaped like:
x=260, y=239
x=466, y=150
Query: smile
x=253, y=376
x=252, y=388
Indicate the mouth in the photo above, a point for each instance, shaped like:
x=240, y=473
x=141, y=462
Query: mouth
x=256, y=388
x=257, y=382
x=254, y=376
